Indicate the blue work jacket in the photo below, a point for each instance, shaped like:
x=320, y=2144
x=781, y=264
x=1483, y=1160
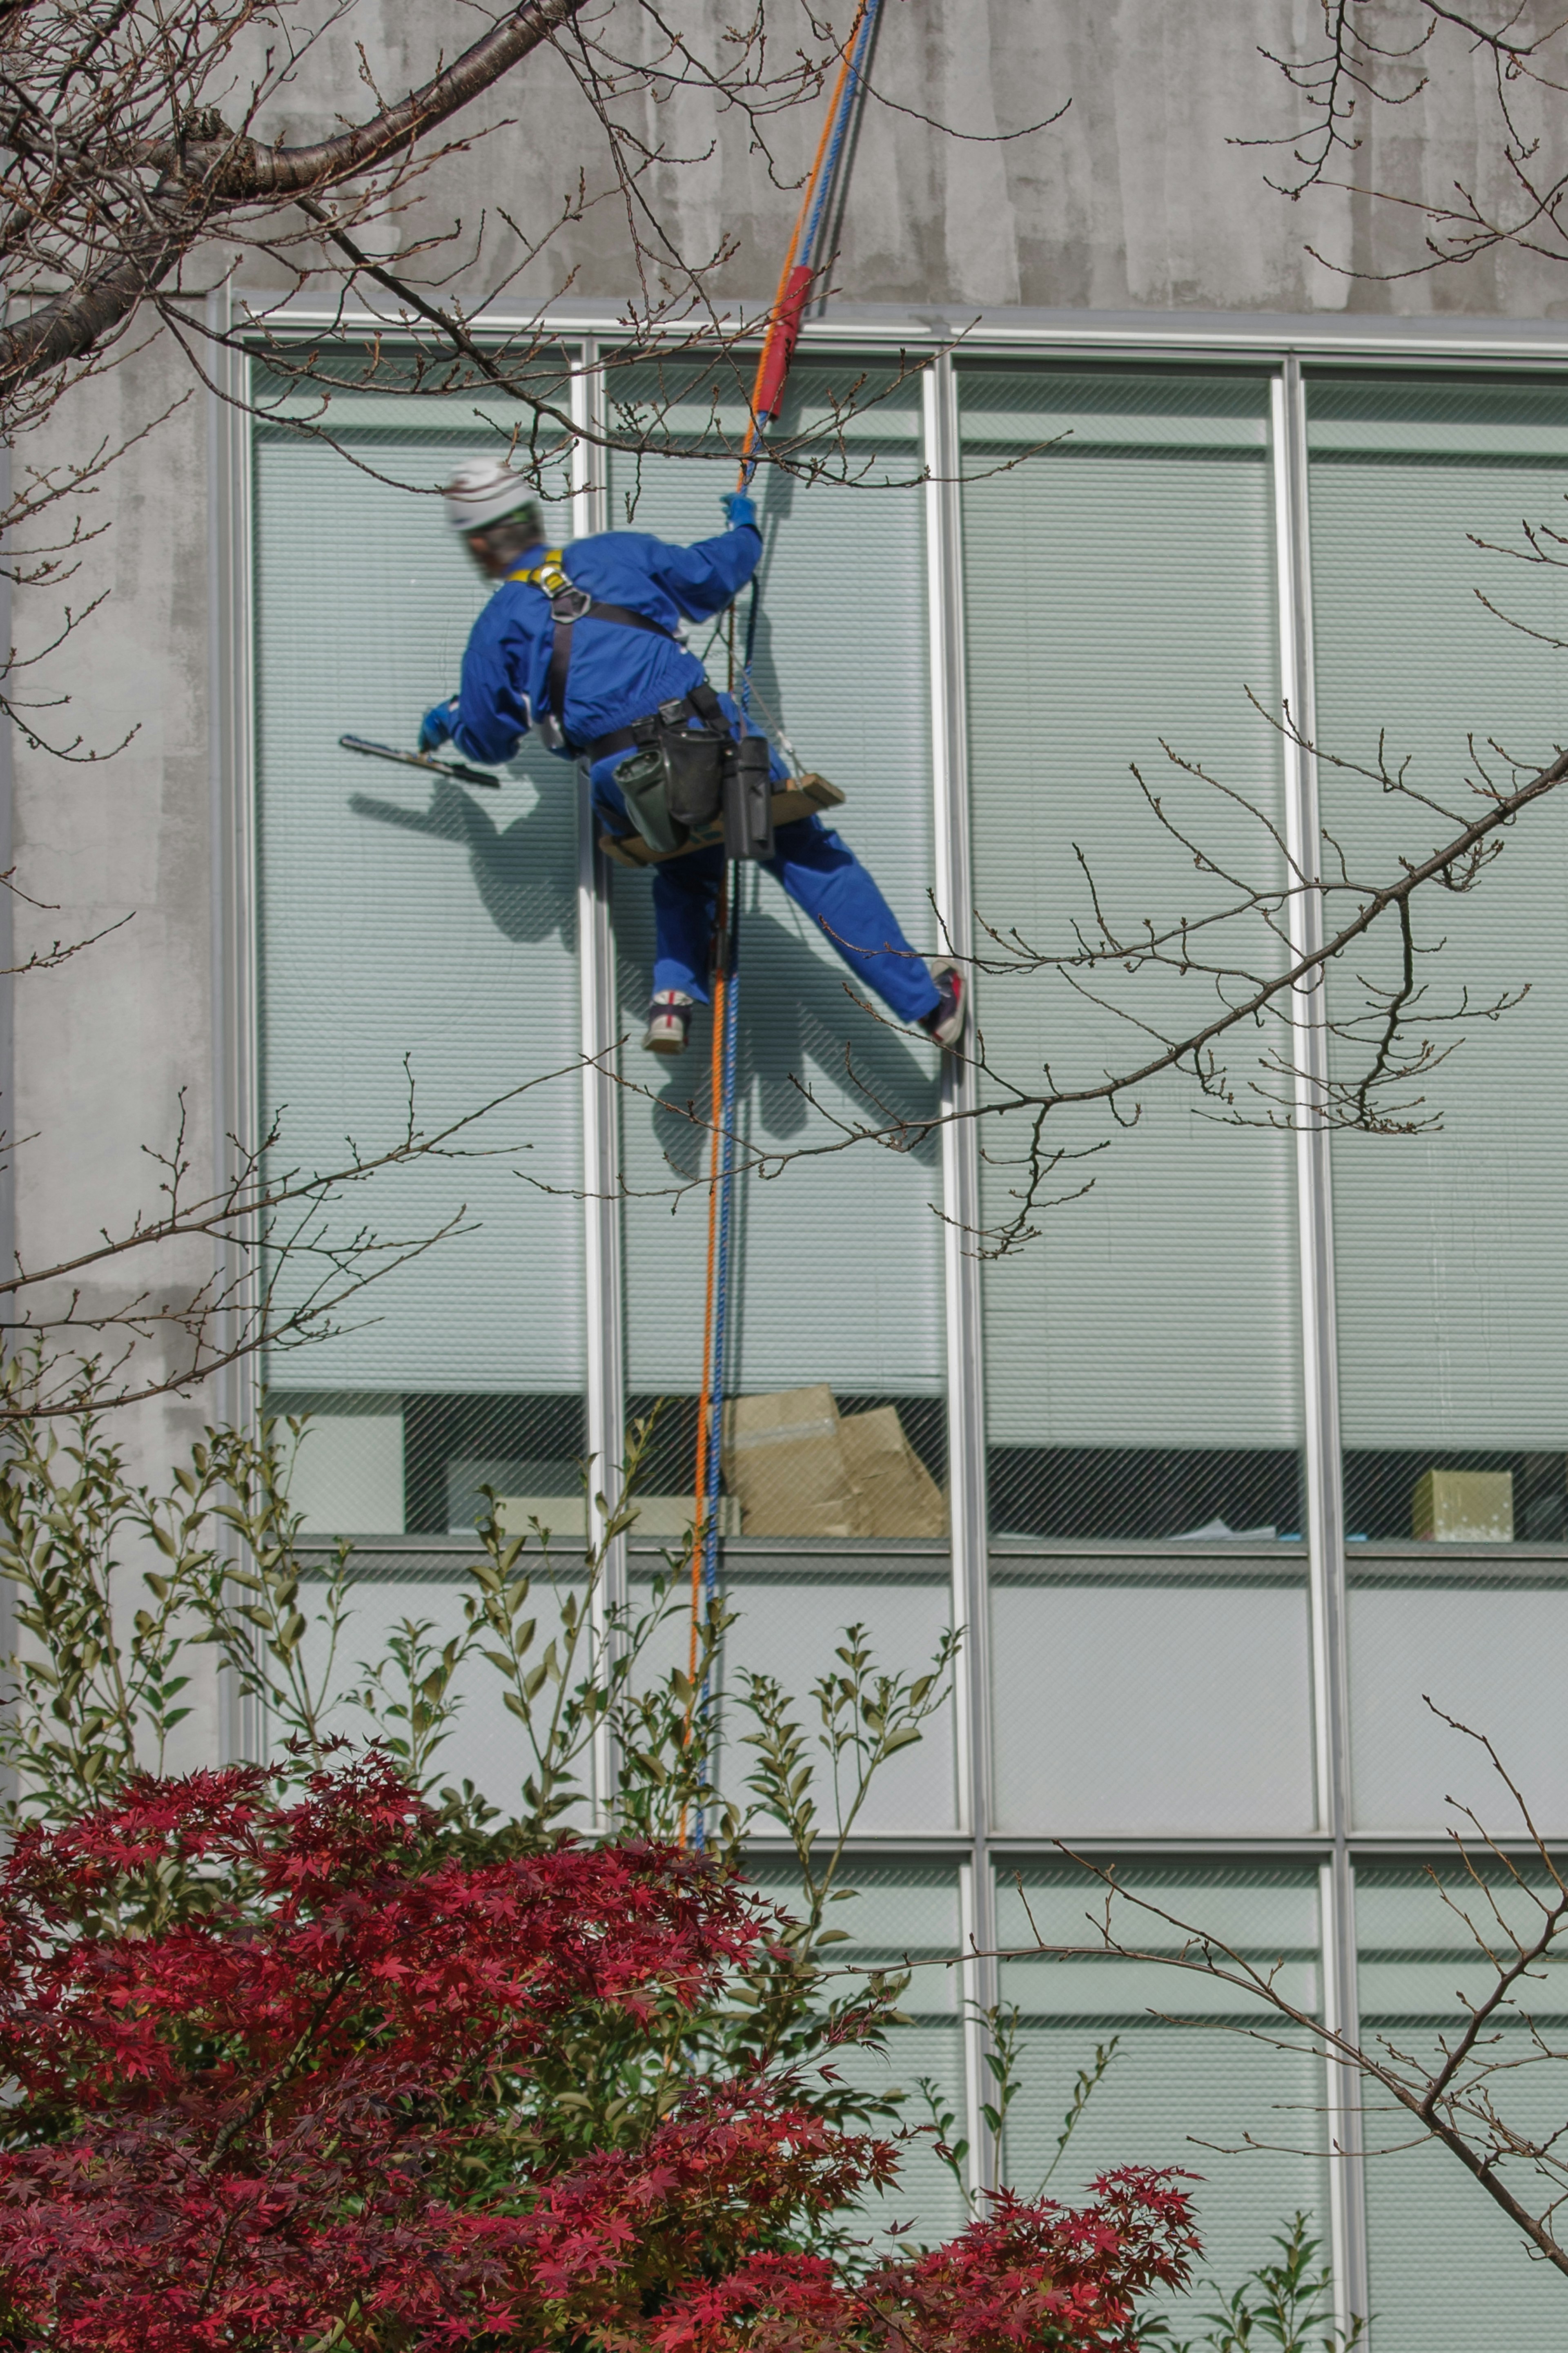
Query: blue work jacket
x=618, y=674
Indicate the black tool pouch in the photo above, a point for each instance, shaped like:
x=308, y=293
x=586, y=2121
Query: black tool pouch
x=748, y=800
x=694, y=769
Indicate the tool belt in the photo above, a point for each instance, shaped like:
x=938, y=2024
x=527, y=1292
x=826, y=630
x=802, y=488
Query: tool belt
x=679, y=768
x=809, y=795
x=690, y=781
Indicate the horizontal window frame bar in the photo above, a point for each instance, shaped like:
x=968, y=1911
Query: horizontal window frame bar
x=1268, y=338
x=1007, y=1853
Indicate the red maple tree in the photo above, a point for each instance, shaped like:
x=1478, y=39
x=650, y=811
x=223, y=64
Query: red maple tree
x=299, y=2076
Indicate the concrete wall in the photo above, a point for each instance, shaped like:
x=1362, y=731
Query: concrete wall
x=1140, y=196
x=1137, y=199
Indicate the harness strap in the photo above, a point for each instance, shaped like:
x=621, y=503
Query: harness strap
x=568, y=606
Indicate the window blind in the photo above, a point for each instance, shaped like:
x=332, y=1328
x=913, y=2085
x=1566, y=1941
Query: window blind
x=1448, y=2271
x=901, y=1915
x=406, y=921
x=1452, y=1282
x=1186, y=2095
x=1120, y=593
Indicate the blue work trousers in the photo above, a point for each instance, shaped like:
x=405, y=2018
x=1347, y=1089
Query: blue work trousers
x=817, y=869
x=823, y=876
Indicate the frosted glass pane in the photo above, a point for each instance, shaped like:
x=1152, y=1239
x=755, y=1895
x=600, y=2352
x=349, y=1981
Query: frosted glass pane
x=1151, y=1706
x=792, y=1631
x=484, y=1743
x=790, y=1626
x=1489, y=1653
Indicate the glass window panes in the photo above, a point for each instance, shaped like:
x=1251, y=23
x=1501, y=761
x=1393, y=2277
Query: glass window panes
x=412, y=933
x=1149, y=1673
x=1140, y=1354
x=836, y=1340
x=1451, y=1283
x=901, y=1917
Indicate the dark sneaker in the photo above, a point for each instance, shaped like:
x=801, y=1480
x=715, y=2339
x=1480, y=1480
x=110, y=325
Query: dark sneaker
x=945, y=1021
x=669, y=1023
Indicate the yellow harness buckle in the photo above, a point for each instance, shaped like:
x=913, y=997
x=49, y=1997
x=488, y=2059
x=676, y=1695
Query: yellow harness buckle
x=549, y=574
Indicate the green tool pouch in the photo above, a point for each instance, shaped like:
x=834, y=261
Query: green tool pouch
x=644, y=782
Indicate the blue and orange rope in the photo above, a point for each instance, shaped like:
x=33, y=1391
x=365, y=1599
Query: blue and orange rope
x=796, y=280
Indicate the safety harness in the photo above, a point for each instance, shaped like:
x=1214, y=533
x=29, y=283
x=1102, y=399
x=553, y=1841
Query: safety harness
x=568, y=606
x=689, y=766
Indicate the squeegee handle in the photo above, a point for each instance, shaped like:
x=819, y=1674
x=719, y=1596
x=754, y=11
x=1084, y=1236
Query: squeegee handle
x=426, y=760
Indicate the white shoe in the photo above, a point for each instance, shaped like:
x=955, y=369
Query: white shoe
x=669, y=1023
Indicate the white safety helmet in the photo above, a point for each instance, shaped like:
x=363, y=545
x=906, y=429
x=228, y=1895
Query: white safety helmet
x=482, y=491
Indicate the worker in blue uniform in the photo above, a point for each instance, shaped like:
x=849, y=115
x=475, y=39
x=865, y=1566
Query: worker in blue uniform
x=587, y=649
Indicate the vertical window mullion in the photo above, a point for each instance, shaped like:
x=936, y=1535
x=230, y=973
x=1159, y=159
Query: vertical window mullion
x=236, y=997
x=1325, y=1510
x=961, y=1199
x=601, y=1141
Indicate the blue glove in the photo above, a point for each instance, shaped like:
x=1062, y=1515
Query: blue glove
x=435, y=727
x=741, y=512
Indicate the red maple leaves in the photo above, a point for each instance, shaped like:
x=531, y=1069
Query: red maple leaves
x=299, y=2076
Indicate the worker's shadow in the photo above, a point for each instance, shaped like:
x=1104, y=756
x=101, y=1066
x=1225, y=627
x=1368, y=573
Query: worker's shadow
x=802, y=1033
x=525, y=873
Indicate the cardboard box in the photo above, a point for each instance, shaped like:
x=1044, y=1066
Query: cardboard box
x=899, y=1495
x=1464, y=1507
x=799, y=1467
x=675, y=1516
x=566, y=1515
x=784, y=1464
